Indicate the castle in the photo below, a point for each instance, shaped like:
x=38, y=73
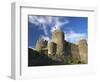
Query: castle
x=58, y=49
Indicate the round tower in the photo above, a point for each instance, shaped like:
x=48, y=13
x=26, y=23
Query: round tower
x=83, y=50
x=38, y=46
x=51, y=48
x=58, y=38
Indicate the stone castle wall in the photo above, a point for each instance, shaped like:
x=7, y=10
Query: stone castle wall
x=58, y=48
x=72, y=51
x=83, y=50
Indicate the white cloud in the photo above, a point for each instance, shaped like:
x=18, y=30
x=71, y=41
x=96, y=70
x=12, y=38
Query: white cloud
x=32, y=19
x=74, y=37
x=43, y=21
x=40, y=19
x=53, y=29
x=45, y=29
x=58, y=23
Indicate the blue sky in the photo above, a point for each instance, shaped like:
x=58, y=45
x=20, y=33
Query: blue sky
x=74, y=28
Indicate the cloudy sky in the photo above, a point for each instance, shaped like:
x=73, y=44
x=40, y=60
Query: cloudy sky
x=74, y=28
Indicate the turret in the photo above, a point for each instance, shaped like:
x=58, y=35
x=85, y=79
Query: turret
x=82, y=44
x=58, y=38
x=52, y=49
x=40, y=44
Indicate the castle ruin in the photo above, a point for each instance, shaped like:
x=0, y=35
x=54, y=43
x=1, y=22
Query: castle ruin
x=58, y=49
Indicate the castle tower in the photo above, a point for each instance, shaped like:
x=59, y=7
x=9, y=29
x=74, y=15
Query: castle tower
x=58, y=38
x=83, y=50
x=41, y=44
x=51, y=48
x=38, y=46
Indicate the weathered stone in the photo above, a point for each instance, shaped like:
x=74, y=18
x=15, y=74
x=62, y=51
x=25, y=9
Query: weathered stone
x=41, y=44
x=82, y=44
x=52, y=48
x=60, y=51
x=72, y=51
x=58, y=38
x=38, y=46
